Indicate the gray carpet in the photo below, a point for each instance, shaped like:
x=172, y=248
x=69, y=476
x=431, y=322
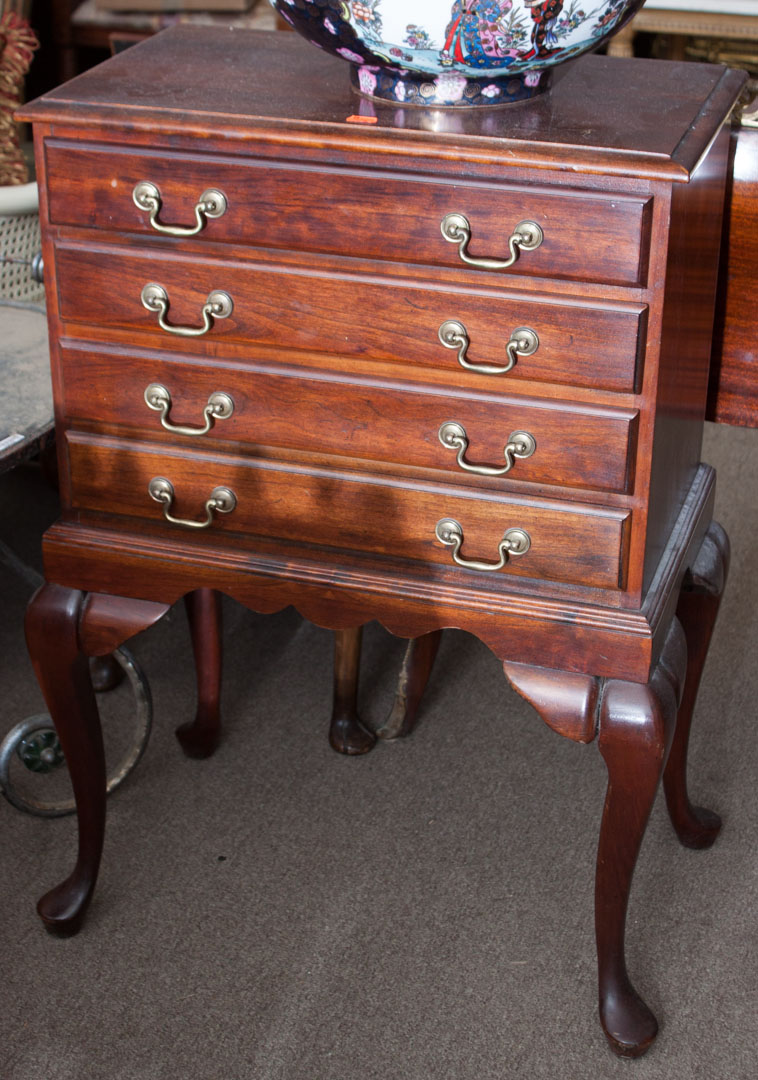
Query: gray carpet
x=280, y=912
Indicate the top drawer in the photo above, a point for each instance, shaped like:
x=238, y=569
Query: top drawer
x=586, y=236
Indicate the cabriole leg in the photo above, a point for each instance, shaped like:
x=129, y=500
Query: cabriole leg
x=346, y=733
x=200, y=737
x=636, y=725
x=62, y=670
x=414, y=675
x=698, y=608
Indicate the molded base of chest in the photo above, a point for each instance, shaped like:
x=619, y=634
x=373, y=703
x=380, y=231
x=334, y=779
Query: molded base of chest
x=521, y=626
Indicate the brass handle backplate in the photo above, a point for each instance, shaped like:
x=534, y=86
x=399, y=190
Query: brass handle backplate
x=219, y=407
x=222, y=500
x=527, y=236
x=520, y=445
x=211, y=204
x=515, y=542
x=219, y=305
x=522, y=342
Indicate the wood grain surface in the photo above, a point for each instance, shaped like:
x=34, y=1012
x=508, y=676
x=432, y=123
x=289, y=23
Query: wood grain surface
x=584, y=341
x=325, y=413
x=583, y=545
x=603, y=118
x=589, y=236
x=733, y=392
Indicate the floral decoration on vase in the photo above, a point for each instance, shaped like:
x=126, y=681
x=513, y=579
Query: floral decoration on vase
x=456, y=52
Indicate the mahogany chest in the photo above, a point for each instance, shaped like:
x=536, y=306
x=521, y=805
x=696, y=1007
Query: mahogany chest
x=437, y=369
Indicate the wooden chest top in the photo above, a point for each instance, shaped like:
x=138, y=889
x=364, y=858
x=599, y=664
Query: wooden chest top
x=599, y=109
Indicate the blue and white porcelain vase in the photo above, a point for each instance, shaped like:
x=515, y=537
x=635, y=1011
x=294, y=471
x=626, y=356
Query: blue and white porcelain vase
x=455, y=52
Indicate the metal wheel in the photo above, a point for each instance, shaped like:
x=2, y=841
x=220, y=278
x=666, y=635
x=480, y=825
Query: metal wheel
x=35, y=743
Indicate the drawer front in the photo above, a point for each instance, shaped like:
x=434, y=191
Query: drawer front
x=325, y=413
x=580, y=344
x=312, y=506
x=588, y=236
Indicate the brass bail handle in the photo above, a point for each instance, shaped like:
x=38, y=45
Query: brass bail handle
x=211, y=204
x=219, y=305
x=527, y=236
x=515, y=542
x=520, y=445
x=522, y=342
x=219, y=407
x=221, y=500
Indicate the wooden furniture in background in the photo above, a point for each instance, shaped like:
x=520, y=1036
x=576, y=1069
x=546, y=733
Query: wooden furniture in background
x=82, y=27
x=680, y=25
x=314, y=387
x=733, y=394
